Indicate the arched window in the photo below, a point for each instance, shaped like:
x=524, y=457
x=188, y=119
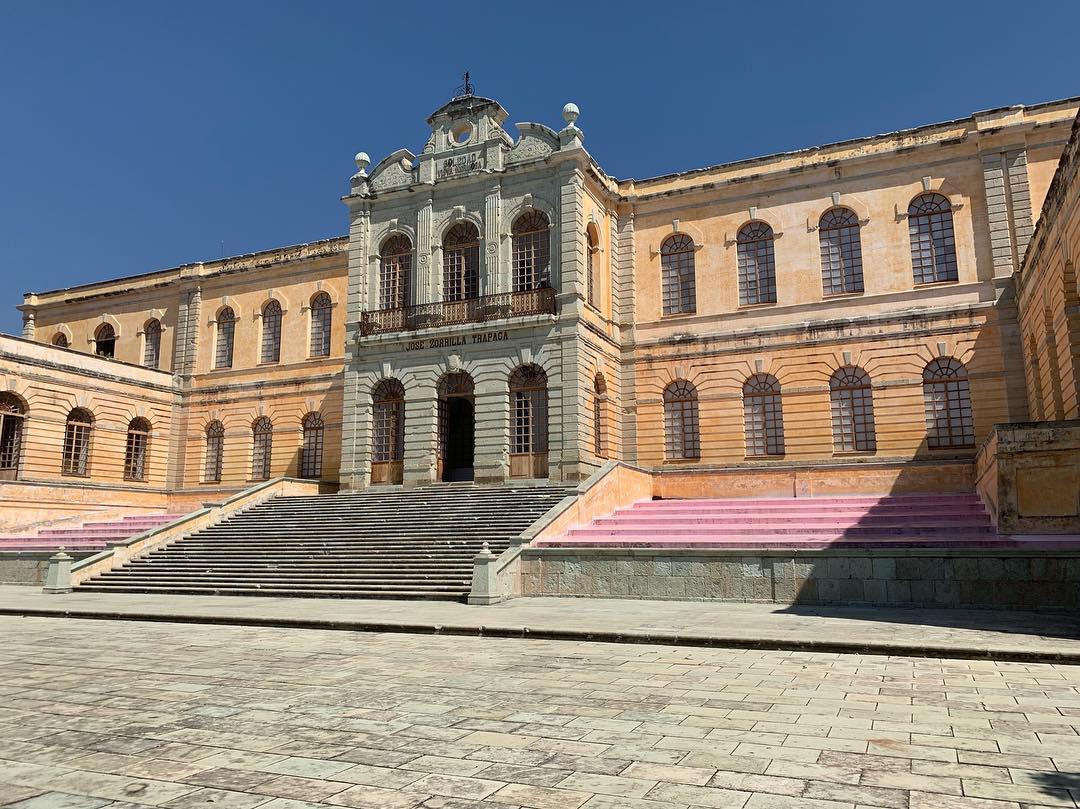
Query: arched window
x=12, y=426
x=60, y=340
x=262, y=448
x=592, y=276
x=947, y=397
x=530, y=252
x=682, y=435
x=852, y=410
x=271, y=332
x=841, y=252
x=388, y=435
x=933, y=245
x=76, y=458
x=322, y=312
x=395, y=272
x=215, y=452
x=528, y=422
x=226, y=331
x=138, y=440
x=461, y=262
x=311, y=451
x=105, y=341
x=763, y=416
x=152, y=343
x=600, y=405
x=757, y=264
x=677, y=274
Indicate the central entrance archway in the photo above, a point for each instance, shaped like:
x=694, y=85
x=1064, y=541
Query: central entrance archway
x=457, y=427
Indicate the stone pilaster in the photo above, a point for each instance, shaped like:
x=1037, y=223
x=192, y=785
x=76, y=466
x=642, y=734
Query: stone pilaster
x=624, y=315
x=492, y=241
x=1008, y=207
x=421, y=435
x=423, y=289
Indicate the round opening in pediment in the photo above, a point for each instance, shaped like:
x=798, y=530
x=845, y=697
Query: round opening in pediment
x=461, y=133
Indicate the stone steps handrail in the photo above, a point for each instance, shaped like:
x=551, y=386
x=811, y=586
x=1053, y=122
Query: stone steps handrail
x=210, y=514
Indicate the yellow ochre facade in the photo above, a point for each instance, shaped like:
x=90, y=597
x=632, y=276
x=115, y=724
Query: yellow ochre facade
x=503, y=309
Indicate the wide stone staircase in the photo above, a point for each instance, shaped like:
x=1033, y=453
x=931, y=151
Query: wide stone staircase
x=807, y=523
x=393, y=543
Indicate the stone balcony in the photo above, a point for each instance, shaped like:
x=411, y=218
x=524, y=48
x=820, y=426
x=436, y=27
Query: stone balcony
x=483, y=309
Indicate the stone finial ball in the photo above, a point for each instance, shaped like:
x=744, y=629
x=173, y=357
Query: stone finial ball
x=362, y=160
x=570, y=113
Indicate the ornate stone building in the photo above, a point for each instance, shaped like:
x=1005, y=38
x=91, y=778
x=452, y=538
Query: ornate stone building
x=503, y=309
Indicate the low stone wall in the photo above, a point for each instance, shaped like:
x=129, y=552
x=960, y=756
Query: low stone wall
x=924, y=578
x=819, y=479
x=28, y=506
x=29, y=567
x=1030, y=472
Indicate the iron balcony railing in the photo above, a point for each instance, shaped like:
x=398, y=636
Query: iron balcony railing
x=451, y=313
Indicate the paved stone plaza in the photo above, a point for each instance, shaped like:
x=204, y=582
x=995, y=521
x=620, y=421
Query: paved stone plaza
x=100, y=713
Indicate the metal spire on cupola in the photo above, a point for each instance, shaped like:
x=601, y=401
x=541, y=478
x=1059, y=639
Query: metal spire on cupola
x=465, y=89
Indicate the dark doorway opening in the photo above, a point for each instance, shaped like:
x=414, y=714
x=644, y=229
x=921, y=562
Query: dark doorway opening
x=458, y=429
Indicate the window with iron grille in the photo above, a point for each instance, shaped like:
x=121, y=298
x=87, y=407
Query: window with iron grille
x=322, y=314
x=757, y=264
x=933, y=245
x=677, y=274
x=226, y=331
x=395, y=272
x=60, y=340
x=530, y=250
x=262, y=448
x=388, y=402
x=76, y=458
x=841, y=252
x=600, y=416
x=311, y=451
x=152, y=343
x=592, y=279
x=105, y=341
x=763, y=416
x=215, y=452
x=270, y=351
x=138, y=441
x=12, y=425
x=947, y=397
x=528, y=410
x=852, y=411
x=461, y=262
x=682, y=434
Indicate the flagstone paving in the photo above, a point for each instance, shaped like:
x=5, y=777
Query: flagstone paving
x=124, y=714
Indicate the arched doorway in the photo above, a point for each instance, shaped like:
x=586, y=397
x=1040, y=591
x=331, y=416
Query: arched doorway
x=528, y=422
x=457, y=427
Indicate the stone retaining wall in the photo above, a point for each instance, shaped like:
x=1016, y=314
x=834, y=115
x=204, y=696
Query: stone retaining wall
x=29, y=567
x=924, y=578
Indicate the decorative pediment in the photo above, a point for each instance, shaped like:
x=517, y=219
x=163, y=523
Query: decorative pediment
x=536, y=141
x=395, y=171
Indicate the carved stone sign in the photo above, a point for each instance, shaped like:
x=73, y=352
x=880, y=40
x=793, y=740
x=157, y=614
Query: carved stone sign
x=461, y=164
x=458, y=340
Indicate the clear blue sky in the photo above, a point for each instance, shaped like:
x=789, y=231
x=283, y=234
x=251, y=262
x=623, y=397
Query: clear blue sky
x=140, y=135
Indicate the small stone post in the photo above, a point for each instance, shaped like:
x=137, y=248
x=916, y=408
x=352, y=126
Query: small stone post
x=58, y=576
x=484, y=581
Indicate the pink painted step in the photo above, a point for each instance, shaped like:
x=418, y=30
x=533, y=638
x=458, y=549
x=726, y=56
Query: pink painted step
x=90, y=536
x=956, y=520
